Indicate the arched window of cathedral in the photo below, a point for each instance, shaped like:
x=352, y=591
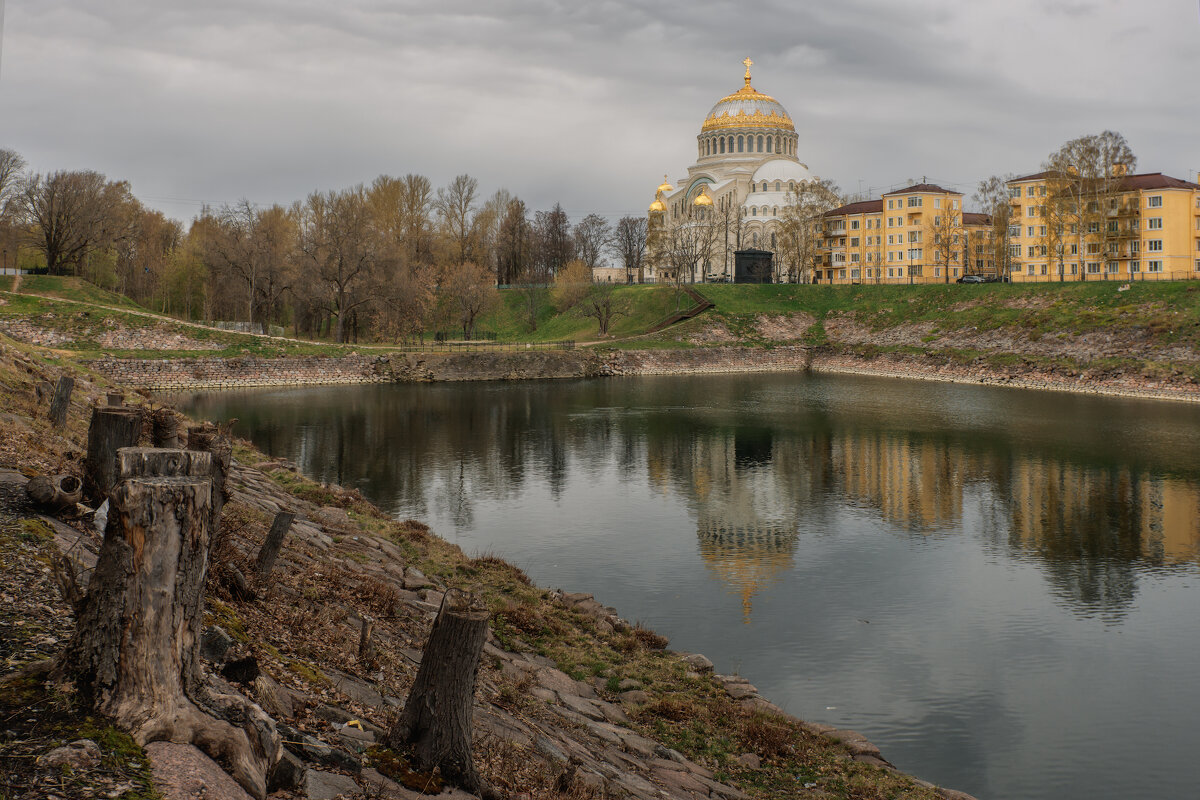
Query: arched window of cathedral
x=756, y=240
x=741, y=142
x=760, y=144
x=764, y=186
x=754, y=212
x=722, y=144
x=752, y=187
x=777, y=185
x=772, y=241
x=791, y=186
x=778, y=144
x=769, y=143
x=731, y=144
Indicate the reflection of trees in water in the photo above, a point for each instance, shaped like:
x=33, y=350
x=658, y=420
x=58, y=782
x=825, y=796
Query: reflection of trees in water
x=740, y=466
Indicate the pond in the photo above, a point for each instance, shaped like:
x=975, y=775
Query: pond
x=998, y=587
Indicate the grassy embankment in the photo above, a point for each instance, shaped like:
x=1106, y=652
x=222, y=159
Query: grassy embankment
x=1152, y=328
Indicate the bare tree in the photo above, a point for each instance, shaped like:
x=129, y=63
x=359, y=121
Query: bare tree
x=336, y=242
x=799, y=234
x=1085, y=176
x=995, y=199
x=513, y=243
x=470, y=292
x=945, y=232
x=12, y=170
x=455, y=205
x=553, y=243
x=592, y=235
x=69, y=214
x=629, y=245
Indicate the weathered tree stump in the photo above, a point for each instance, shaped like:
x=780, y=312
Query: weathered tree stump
x=115, y=399
x=435, y=726
x=61, y=403
x=270, y=548
x=110, y=430
x=164, y=431
x=366, y=645
x=55, y=494
x=134, y=656
x=208, y=438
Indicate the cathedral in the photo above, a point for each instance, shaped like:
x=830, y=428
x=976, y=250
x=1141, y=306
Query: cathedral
x=734, y=194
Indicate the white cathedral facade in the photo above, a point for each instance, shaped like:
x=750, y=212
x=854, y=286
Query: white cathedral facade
x=746, y=165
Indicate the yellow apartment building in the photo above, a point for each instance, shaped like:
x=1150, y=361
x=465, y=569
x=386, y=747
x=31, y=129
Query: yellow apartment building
x=1146, y=228
x=919, y=234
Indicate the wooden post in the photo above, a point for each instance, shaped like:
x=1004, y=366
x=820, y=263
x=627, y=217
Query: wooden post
x=116, y=399
x=366, y=650
x=61, y=402
x=270, y=548
x=110, y=430
x=435, y=726
x=137, y=638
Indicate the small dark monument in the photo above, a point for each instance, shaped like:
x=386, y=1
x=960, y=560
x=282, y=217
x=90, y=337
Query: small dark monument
x=753, y=266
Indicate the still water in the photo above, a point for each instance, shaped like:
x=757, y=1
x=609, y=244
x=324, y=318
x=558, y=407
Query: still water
x=1000, y=588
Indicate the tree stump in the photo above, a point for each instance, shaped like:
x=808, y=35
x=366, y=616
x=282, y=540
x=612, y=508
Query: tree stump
x=135, y=649
x=61, y=403
x=435, y=726
x=164, y=428
x=208, y=438
x=110, y=430
x=270, y=548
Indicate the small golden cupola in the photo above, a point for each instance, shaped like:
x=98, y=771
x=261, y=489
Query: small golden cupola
x=666, y=186
x=658, y=206
x=703, y=198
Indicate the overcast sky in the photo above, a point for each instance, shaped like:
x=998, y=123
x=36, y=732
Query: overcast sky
x=586, y=102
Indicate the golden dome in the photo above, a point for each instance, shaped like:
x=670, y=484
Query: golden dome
x=747, y=108
x=658, y=205
x=666, y=186
x=703, y=198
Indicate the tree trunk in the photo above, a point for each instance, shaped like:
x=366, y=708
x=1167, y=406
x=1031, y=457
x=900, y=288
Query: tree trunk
x=137, y=639
x=435, y=726
x=270, y=548
x=111, y=429
x=61, y=402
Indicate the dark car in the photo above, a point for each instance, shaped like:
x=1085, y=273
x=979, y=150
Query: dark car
x=971, y=279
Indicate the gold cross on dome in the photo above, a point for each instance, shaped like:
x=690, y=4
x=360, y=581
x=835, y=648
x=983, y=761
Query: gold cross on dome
x=747, y=62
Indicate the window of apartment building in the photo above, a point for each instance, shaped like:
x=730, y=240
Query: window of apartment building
x=914, y=201
x=1029, y=191
x=1042, y=191
x=1030, y=211
x=916, y=272
x=1014, y=231
x=937, y=272
x=841, y=273
x=890, y=238
x=1093, y=267
x=1093, y=227
x=1014, y=250
x=1153, y=266
x=1093, y=248
x=1014, y=192
x=1075, y=249
x=891, y=220
x=1042, y=268
x=1198, y=265
x=854, y=273
x=1111, y=268
x=1041, y=230
x=1031, y=249
x=853, y=224
x=914, y=236
x=979, y=263
x=1154, y=223
x=1154, y=245
x=1154, y=201
x=854, y=258
x=889, y=208
x=1029, y=231
x=1135, y=267
x=891, y=256
x=1112, y=226
x=953, y=205
x=914, y=254
x=1030, y=269
x=1074, y=268
x=937, y=202
x=1114, y=247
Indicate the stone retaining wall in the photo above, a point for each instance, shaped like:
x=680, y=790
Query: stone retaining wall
x=216, y=373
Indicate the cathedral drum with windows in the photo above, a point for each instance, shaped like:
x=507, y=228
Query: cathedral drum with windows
x=736, y=191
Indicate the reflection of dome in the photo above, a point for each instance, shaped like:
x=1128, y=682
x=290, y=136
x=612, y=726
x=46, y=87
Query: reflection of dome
x=747, y=557
x=781, y=169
